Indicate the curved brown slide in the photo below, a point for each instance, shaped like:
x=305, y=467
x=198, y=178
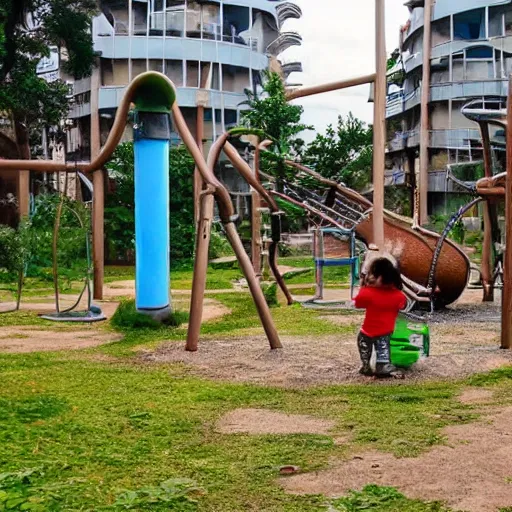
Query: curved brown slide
x=418, y=246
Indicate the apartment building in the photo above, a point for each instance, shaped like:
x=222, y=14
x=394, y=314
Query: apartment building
x=211, y=49
x=470, y=58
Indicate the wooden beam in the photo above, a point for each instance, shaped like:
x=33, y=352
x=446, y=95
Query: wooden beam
x=425, y=122
x=333, y=86
x=379, y=124
x=506, y=303
x=98, y=205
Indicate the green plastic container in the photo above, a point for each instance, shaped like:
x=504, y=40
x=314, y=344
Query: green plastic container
x=409, y=342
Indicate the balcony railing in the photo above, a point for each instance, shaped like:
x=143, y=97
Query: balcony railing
x=283, y=42
x=288, y=10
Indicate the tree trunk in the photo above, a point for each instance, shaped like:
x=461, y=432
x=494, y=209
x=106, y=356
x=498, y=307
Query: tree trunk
x=23, y=181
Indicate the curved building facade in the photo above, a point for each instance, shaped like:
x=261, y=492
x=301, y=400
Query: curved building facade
x=470, y=58
x=211, y=49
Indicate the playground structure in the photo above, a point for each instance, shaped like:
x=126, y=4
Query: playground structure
x=435, y=270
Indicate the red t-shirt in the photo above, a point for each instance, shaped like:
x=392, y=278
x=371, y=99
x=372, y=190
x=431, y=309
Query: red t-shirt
x=382, y=305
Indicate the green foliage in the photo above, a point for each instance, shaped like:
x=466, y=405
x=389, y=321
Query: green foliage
x=278, y=121
x=270, y=293
x=219, y=246
x=398, y=200
x=127, y=317
x=469, y=172
x=10, y=253
x=173, y=493
x=458, y=232
x=384, y=499
x=28, y=98
x=120, y=206
x=344, y=153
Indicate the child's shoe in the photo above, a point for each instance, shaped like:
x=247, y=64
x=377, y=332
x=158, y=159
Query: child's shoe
x=388, y=370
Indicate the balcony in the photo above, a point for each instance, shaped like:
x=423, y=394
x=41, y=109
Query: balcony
x=395, y=103
x=474, y=89
x=283, y=42
x=461, y=138
x=286, y=11
x=415, y=22
x=291, y=67
x=110, y=98
x=403, y=140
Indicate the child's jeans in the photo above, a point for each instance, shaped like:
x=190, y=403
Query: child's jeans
x=366, y=343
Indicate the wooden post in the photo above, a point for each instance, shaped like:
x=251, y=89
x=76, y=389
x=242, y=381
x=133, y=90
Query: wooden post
x=23, y=178
x=487, y=266
x=379, y=126
x=98, y=205
x=424, y=126
x=256, y=241
x=198, y=182
x=506, y=306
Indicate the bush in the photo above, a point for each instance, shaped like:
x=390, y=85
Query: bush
x=270, y=293
x=127, y=317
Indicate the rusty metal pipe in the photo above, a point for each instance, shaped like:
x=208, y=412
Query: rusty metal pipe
x=203, y=234
x=254, y=286
x=332, y=86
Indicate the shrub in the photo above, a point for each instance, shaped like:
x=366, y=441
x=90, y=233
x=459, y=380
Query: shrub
x=127, y=317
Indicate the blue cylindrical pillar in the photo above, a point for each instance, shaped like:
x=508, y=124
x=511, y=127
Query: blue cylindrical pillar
x=152, y=273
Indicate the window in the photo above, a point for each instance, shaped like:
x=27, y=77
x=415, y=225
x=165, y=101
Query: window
x=457, y=67
x=192, y=73
x=469, y=25
x=496, y=22
x=479, y=52
x=230, y=117
x=174, y=71
x=235, y=78
x=138, y=67
x=441, y=32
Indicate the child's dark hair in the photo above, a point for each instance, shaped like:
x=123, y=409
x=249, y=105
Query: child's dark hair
x=383, y=268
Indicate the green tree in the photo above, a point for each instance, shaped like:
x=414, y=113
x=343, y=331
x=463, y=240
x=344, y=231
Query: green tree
x=28, y=29
x=120, y=206
x=344, y=153
x=278, y=120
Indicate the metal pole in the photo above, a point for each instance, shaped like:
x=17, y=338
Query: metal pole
x=198, y=182
x=424, y=126
x=98, y=205
x=506, y=307
x=254, y=286
x=379, y=126
x=332, y=86
x=256, y=216
x=487, y=251
x=203, y=233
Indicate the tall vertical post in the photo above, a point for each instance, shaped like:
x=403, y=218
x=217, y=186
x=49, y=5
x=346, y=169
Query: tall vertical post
x=422, y=183
x=256, y=241
x=487, y=246
x=98, y=205
x=506, y=302
x=198, y=182
x=379, y=126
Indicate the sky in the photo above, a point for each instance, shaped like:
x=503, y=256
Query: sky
x=338, y=42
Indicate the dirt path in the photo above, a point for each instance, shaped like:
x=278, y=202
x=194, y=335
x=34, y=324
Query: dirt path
x=263, y=421
x=25, y=339
x=471, y=472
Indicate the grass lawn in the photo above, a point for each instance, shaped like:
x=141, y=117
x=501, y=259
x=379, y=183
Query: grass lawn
x=102, y=430
x=76, y=434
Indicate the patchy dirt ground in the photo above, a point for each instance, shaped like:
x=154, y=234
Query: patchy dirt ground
x=471, y=472
x=25, y=339
x=307, y=361
x=263, y=421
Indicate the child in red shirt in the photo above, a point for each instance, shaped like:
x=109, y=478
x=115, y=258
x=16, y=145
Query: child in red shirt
x=382, y=298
